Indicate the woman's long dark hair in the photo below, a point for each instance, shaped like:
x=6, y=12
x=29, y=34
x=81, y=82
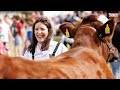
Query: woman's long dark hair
x=45, y=44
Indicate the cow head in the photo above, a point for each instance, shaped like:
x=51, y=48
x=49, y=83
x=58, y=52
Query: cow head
x=72, y=28
x=103, y=33
x=68, y=29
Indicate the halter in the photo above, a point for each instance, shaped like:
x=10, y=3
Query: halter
x=110, y=47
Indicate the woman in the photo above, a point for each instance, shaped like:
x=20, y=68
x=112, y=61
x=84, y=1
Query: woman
x=42, y=45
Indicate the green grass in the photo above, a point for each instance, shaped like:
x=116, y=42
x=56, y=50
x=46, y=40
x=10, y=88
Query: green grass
x=57, y=38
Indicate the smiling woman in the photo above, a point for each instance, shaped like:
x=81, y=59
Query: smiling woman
x=42, y=46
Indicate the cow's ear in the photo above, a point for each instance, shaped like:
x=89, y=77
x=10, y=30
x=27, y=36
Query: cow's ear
x=107, y=29
x=67, y=29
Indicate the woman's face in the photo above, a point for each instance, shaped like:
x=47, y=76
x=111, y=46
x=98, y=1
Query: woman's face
x=41, y=32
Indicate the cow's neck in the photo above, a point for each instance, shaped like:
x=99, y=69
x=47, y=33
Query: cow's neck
x=90, y=39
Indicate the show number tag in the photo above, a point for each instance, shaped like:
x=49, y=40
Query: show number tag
x=107, y=29
x=67, y=33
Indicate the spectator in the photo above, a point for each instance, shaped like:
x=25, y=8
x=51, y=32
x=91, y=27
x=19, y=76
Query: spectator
x=116, y=42
x=28, y=35
x=17, y=33
x=6, y=33
x=42, y=45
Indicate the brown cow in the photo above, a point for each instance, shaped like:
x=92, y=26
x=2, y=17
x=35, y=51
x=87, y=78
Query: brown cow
x=87, y=60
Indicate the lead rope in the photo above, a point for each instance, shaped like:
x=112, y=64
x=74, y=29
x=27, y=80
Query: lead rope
x=109, y=46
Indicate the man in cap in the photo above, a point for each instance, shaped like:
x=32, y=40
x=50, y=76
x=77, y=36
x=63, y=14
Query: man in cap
x=116, y=42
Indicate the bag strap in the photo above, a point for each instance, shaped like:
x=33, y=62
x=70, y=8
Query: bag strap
x=53, y=54
x=32, y=56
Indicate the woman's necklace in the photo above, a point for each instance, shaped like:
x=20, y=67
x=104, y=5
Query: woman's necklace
x=39, y=45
